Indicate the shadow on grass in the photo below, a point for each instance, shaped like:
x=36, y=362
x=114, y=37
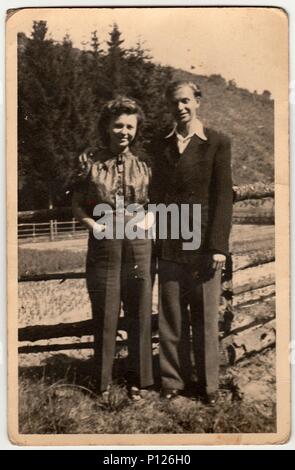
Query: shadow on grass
x=61, y=367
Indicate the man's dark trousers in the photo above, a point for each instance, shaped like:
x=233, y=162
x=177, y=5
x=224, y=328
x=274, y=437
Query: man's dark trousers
x=180, y=288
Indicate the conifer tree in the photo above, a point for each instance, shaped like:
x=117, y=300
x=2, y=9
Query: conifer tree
x=37, y=95
x=145, y=81
x=115, y=61
x=95, y=45
x=97, y=75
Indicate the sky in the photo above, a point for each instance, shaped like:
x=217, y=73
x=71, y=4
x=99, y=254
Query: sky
x=241, y=44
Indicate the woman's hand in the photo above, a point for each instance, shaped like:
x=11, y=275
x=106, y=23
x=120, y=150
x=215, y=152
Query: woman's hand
x=84, y=164
x=147, y=222
x=218, y=261
x=98, y=228
x=81, y=215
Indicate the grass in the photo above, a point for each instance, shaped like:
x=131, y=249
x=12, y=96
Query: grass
x=68, y=405
x=32, y=261
x=52, y=302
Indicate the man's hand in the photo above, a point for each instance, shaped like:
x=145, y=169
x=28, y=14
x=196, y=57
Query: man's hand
x=218, y=261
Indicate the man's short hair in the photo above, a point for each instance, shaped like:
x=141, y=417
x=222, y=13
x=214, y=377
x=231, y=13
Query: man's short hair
x=173, y=86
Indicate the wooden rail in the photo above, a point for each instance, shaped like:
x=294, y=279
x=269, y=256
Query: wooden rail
x=240, y=193
x=254, y=283
x=242, y=333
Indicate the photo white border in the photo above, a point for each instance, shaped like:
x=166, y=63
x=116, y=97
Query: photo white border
x=290, y=8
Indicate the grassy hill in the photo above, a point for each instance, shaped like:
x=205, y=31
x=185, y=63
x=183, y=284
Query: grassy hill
x=247, y=118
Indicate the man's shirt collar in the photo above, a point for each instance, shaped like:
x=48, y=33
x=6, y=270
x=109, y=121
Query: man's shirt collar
x=197, y=129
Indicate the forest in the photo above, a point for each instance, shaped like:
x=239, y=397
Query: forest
x=62, y=88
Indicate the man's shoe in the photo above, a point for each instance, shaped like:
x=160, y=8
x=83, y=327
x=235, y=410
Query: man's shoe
x=210, y=399
x=170, y=393
x=102, y=394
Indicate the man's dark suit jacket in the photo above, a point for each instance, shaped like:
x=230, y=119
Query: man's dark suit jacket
x=200, y=175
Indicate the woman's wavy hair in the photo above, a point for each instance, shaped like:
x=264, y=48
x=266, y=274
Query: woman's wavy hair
x=114, y=108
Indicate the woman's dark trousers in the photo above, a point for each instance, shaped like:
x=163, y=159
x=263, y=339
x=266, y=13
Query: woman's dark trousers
x=121, y=270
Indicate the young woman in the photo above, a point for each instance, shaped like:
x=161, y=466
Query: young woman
x=117, y=269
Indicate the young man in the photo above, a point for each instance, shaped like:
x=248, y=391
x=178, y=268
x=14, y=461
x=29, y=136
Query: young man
x=192, y=166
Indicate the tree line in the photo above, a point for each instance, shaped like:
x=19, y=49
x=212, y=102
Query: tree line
x=61, y=90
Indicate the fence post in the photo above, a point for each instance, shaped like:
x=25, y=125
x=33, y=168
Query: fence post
x=73, y=225
x=34, y=231
x=51, y=230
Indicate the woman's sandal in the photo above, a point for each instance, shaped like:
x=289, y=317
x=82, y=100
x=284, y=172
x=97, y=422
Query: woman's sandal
x=134, y=393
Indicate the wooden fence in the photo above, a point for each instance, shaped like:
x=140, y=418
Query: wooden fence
x=52, y=230
x=247, y=311
x=59, y=223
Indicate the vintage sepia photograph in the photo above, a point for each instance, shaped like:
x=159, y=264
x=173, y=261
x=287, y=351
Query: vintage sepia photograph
x=148, y=225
